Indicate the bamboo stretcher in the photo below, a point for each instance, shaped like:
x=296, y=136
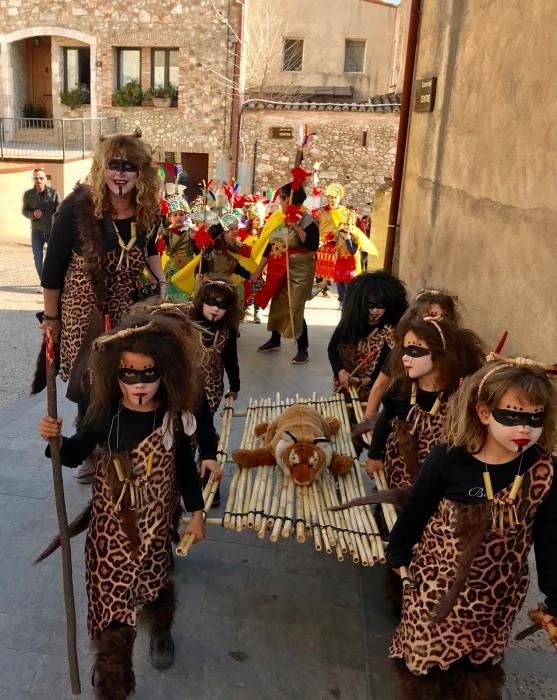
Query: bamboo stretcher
x=266, y=501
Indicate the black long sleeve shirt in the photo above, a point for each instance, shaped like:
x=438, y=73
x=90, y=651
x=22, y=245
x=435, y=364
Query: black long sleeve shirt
x=456, y=475
x=135, y=426
x=65, y=240
x=395, y=406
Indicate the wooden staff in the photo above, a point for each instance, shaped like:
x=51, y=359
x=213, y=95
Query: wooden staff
x=59, y=497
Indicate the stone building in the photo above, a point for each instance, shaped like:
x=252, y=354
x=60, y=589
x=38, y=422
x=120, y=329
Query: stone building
x=478, y=212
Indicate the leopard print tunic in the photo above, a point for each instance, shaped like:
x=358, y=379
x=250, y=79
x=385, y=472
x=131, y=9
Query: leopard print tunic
x=117, y=583
x=78, y=302
x=212, y=369
x=480, y=623
x=351, y=356
x=427, y=431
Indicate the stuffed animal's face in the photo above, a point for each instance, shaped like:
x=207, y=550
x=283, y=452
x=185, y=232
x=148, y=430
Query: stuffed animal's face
x=304, y=461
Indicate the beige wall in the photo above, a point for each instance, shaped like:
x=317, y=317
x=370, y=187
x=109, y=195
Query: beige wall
x=479, y=211
x=324, y=25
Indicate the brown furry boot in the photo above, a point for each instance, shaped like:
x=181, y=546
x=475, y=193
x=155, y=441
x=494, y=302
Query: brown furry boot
x=160, y=616
x=467, y=682
x=432, y=686
x=113, y=676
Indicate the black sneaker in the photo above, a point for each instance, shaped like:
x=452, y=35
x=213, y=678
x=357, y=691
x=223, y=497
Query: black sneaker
x=268, y=346
x=161, y=652
x=300, y=358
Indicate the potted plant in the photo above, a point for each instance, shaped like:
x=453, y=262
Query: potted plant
x=161, y=97
x=75, y=98
x=129, y=95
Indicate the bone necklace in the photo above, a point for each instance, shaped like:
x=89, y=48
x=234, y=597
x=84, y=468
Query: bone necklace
x=413, y=403
x=125, y=247
x=503, y=513
x=141, y=492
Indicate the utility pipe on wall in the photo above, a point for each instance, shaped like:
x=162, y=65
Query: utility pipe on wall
x=409, y=65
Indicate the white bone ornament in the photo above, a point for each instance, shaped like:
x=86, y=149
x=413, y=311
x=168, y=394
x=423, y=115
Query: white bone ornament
x=188, y=422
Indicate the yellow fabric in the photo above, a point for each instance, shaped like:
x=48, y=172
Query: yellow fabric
x=164, y=261
x=273, y=222
x=184, y=279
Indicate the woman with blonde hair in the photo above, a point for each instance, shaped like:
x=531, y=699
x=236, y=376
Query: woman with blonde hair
x=102, y=240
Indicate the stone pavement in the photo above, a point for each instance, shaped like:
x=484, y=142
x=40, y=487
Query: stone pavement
x=255, y=621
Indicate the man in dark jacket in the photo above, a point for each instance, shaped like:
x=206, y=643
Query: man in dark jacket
x=40, y=204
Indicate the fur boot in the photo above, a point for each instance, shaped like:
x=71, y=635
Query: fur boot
x=113, y=676
x=467, y=682
x=431, y=686
x=160, y=616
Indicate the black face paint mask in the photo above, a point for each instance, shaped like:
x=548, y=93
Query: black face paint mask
x=121, y=165
x=506, y=416
x=219, y=303
x=416, y=351
x=371, y=304
x=130, y=375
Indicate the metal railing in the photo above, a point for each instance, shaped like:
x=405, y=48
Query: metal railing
x=52, y=139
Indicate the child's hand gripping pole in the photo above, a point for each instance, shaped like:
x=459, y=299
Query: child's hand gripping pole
x=62, y=518
x=188, y=539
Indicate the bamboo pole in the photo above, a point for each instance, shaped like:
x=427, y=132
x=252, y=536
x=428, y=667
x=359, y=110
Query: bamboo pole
x=290, y=502
x=61, y=512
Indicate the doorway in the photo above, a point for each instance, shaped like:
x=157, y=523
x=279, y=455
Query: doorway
x=39, y=74
x=196, y=165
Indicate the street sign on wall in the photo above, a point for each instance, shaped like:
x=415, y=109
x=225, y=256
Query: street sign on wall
x=424, y=94
x=281, y=132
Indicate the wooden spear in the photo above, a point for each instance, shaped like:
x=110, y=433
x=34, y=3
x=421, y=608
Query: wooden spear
x=60, y=500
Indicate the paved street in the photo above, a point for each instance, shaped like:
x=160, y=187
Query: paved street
x=255, y=620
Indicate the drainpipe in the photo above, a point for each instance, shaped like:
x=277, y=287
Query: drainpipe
x=235, y=116
x=409, y=65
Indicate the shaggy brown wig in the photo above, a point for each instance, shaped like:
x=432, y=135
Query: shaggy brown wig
x=220, y=287
x=174, y=355
x=456, y=352
x=463, y=426
x=135, y=150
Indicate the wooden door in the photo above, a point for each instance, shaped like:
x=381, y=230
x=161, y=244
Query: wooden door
x=39, y=73
x=197, y=167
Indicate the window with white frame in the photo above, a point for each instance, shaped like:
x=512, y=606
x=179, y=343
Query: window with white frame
x=129, y=67
x=292, y=55
x=77, y=69
x=354, y=55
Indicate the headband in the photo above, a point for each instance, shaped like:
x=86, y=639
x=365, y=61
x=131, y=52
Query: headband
x=100, y=343
x=430, y=319
x=510, y=362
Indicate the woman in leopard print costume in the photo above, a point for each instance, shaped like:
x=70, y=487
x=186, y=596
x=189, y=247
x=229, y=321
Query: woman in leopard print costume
x=359, y=346
x=478, y=505
x=428, y=362
x=139, y=426
x=101, y=241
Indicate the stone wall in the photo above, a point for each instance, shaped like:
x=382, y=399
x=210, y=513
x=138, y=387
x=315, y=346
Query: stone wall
x=197, y=27
x=18, y=66
x=339, y=146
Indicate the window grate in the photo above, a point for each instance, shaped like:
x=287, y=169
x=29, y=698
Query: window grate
x=354, y=56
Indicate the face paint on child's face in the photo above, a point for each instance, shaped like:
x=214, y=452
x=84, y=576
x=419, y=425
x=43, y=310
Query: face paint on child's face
x=417, y=360
x=138, y=377
x=375, y=311
x=177, y=218
x=214, y=308
x=516, y=424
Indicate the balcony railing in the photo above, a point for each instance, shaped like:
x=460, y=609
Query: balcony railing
x=52, y=139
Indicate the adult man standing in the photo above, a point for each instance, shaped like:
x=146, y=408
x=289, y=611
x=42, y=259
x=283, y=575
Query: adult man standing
x=40, y=204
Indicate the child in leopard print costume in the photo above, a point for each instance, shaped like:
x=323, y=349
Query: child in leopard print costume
x=476, y=508
x=359, y=346
x=428, y=362
x=139, y=428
